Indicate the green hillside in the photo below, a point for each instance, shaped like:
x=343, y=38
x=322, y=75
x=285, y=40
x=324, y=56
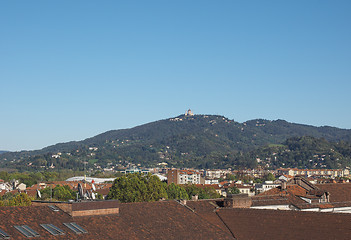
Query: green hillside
x=202, y=141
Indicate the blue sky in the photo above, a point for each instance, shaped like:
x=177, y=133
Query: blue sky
x=73, y=69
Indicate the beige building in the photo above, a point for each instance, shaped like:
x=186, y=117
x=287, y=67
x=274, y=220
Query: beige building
x=184, y=177
x=314, y=172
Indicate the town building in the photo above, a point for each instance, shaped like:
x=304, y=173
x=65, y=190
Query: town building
x=267, y=185
x=189, y=113
x=330, y=173
x=135, y=170
x=230, y=218
x=213, y=174
x=184, y=177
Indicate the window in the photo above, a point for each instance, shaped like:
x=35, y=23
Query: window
x=75, y=228
x=54, y=208
x=52, y=229
x=4, y=235
x=27, y=231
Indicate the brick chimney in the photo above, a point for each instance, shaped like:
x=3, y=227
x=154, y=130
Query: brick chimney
x=89, y=208
x=237, y=201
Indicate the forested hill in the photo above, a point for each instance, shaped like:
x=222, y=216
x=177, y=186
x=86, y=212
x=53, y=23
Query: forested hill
x=183, y=141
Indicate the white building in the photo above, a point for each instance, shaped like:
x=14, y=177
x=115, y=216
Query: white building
x=184, y=177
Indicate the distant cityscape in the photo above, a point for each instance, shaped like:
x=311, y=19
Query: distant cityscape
x=127, y=184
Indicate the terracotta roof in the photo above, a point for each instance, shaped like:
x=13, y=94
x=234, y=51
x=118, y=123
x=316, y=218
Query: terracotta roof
x=207, y=209
x=270, y=200
x=188, y=172
x=156, y=220
x=339, y=192
x=273, y=224
x=296, y=190
x=291, y=195
x=215, y=186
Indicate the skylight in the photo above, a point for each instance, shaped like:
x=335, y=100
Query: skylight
x=53, y=229
x=4, y=235
x=75, y=228
x=54, y=208
x=27, y=231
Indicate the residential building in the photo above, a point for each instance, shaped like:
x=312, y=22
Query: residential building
x=184, y=177
x=211, y=181
x=213, y=174
x=267, y=185
x=135, y=170
x=314, y=172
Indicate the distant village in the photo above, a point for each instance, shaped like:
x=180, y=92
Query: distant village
x=263, y=204
x=250, y=181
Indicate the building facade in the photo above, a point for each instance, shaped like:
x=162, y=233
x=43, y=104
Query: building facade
x=184, y=177
x=314, y=172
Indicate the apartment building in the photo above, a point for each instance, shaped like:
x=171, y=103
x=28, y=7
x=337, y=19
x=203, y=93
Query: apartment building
x=314, y=172
x=184, y=177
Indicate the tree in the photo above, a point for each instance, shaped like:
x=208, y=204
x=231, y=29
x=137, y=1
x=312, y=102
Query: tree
x=233, y=190
x=176, y=192
x=60, y=193
x=21, y=199
x=137, y=188
x=201, y=192
x=63, y=193
x=269, y=177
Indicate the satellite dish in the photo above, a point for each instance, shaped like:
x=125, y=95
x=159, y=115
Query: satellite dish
x=39, y=194
x=93, y=186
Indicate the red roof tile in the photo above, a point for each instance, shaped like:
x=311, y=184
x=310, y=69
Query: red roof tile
x=273, y=224
x=156, y=220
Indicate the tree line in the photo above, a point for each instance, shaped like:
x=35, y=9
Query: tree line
x=137, y=187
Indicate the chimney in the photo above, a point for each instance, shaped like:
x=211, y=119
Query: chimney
x=238, y=201
x=88, y=208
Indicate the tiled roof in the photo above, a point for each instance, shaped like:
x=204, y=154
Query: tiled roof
x=156, y=220
x=339, y=192
x=215, y=186
x=188, y=172
x=207, y=209
x=272, y=224
x=291, y=195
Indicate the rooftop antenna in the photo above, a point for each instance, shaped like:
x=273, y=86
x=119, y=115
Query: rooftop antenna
x=85, y=176
x=39, y=194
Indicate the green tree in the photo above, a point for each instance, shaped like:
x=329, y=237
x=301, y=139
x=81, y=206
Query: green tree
x=202, y=192
x=63, y=193
x=176, y=192
x=59, y=193
x=137, y=188
x=269, y=177
x=21, y=199
x=233, y=190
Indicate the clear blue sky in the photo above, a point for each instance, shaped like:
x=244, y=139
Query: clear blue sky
x=73, y=69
